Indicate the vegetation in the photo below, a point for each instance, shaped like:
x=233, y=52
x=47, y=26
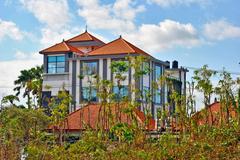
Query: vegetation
x=24, y=131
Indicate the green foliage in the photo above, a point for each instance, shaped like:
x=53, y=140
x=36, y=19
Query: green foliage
x=24, y=129
x=31, y=82
x=203, y=82
x=18, y=127
x=9, y=99
x=123, y=132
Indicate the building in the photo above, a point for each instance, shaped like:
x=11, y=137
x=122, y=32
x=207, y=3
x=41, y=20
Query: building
x=213, y=113
x=64, y=63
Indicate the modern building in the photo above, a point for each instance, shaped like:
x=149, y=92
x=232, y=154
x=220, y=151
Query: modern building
x=64, y=63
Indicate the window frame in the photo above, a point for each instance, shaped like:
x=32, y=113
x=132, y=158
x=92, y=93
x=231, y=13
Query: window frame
x=58, y=66
x=83, y=87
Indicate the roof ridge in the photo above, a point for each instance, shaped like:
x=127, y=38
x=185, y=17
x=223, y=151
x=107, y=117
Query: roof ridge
x=125, y=41
x=103, y=45
x=50, y=47
x=90, y=36
x=66, y=45
x=75, y=36
x=73, y=47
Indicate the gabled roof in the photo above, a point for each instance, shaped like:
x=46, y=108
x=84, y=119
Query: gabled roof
x=118, y=46
x=61, y=47
x=84, y=37
x=79, y=119
x=213, y=114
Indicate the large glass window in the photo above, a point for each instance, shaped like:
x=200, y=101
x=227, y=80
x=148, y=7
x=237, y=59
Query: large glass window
x=120, y=71
x=158, y=73
x=56, y=64
x=146, y=81
x=89, y=72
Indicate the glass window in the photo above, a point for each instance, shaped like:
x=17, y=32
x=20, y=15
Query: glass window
x=158, y=73
x=89, y=68
x=145, y=80
x=89, y=95
x=56, y=64
x=123, y=92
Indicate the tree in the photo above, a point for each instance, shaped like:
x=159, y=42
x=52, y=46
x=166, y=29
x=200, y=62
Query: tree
x=17, y=128
x=118, y=68
x=203, y=77
x=106, y=96
x=226, y=94
x=31, y=82
x=91, y=78
x=9, y=99
x=59, y=110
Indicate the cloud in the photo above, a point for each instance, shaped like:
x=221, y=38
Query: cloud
x=11, y=69
x=220, y=30
x=118, y=17
x=10, y=29
x=166, y=34
x=168, y=3
x=55, y=17
x=51, y=37
x=53, y=13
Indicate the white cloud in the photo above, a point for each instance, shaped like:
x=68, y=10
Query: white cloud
x=167, y=3
x=55, y=16
x=220, y=30
x=53, y=13
x=11, y=69
x=118, y=17
x=51, y=36
x=10, y=29
x=166, y=34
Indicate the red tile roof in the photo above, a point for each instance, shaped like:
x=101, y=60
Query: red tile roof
x=213, y=111
x=61, y=47
x=79, y=119
x=84, y=37
x=118, y=46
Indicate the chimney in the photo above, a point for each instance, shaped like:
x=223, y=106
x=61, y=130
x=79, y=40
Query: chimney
x=175, y=64
x=168, y=65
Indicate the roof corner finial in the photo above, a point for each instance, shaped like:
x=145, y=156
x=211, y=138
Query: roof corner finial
x=86, y=28
x=120, y=36
x=63, y=40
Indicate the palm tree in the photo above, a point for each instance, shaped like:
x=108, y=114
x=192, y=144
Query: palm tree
x=31, y=82
x=9, y=99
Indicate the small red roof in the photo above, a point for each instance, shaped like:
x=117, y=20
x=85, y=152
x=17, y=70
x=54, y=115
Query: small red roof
x=61, y=47
x=214, y=112
x=84, y=37
x=118, y=46
x=88, y=116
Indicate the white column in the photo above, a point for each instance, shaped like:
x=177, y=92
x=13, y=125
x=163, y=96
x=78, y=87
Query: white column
x=70, y=83
x=77, y=83
x=109, y=69
x=101, y=68
x=133, y=83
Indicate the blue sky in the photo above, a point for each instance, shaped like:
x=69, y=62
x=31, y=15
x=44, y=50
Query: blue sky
x=194, y=32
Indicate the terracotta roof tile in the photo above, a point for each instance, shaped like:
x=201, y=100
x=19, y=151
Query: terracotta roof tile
x=61, y=47
x=79, y=119
x=214, y=111
x=118, y=46
x=84, y=37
